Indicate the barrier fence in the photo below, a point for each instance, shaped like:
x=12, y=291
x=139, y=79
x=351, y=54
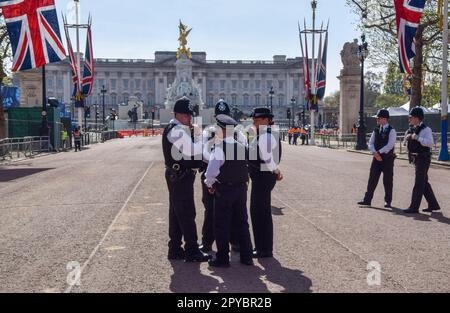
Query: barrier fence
x=23, y=147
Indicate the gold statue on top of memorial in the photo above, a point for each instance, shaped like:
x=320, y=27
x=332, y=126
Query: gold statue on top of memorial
x=184, y=33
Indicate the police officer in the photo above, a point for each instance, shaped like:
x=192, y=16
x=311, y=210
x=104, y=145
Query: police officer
x=265, y=152
x=182, y=155
x=419, y=139
x=227, y=179
x=209, y=134
x=382, y=146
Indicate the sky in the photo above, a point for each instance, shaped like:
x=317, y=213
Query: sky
x=224, y=29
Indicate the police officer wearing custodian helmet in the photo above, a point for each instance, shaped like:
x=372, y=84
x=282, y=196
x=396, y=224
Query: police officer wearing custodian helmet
x=182, y=155
x=209, y=139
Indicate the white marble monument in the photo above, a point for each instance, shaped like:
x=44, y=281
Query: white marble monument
x=184, y=84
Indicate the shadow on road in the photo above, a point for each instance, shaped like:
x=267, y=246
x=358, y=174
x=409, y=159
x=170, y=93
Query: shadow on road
x=187, y=278
x=438, y=216
x=7, y=175
x=291, y=280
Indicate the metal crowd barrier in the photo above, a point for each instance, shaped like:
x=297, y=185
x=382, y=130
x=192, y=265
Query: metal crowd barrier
x=26, y=146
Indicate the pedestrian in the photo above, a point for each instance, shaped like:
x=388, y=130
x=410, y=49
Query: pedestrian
x=182, y=155
x=303, y=135
x=290, y=135
x=419, y=140
x=265, y=153
x=64, y=138
x=382, y=146
x=227, y=179
x=296, y=134
x=77, y=138
x=209, y=140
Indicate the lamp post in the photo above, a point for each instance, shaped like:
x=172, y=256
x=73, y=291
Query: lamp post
x=96, y=113
x=363, y=53
x=271, y=93
x=293, y=101
x=103, y=92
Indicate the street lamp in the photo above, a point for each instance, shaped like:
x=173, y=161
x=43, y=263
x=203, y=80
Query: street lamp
x=363, y=53
x=271, y=93
x=103, y=92
x=293, y=102
x=96, y=115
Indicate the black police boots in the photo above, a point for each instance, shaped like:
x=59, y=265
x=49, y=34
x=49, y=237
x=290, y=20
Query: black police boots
x=176, y=254
x=198, y=256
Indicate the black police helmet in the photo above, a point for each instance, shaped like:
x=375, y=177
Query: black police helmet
x=222, y=108
x=224, y=120
x=183, y=106
x=383, y=113
x=262, y=113
x=417, y=112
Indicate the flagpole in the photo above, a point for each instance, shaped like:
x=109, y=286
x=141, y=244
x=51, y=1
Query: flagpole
x=313, y=76
x=77, y=27
x=44, y=118
x=443, y=154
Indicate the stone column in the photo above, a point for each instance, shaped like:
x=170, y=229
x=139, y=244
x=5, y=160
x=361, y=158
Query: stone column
x=350, y=81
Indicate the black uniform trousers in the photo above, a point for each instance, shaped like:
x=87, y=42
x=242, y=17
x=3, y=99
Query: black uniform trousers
x=421, y=186
x=230, y=208
x=263, y=183
x=182, y=213
x=387, y=168
x=208, y=221
x=77, y=145
x=295, y=139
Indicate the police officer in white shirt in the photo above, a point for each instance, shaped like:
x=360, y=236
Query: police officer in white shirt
x=182, y=155
x=265, y=154
x=226, y=178
x=382, y=146
x=419, y=139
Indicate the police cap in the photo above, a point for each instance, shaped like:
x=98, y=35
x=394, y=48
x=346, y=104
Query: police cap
x=383, y=113
x=225, y=120
x=262, y=113
x=183, y=106
x=417, y=112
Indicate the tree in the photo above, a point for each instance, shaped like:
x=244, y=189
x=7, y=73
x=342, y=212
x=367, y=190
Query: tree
x=5, y=55
x=372, y=88
x=393, y=82
x=333, y=100
x=380, y=24
x=387, y=100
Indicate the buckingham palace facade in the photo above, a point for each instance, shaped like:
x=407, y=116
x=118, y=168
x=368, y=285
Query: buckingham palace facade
x=244, y=84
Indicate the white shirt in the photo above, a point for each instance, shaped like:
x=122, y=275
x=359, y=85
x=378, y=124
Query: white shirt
x=390, y=145
x=267, y=145
x=208, y=143
x=215, y=162
x=181, y=139
x=426, y=137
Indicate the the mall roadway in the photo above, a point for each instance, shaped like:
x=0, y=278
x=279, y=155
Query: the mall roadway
x=107, y=207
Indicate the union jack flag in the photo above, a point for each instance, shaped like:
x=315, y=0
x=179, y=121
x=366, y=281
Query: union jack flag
x=88, y=70
x=34, y=33
x=305, y=63
x=73, y=64
x=408, y=14
x=322, y=71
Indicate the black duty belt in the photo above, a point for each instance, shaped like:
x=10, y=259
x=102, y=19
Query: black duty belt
x=177, y=173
